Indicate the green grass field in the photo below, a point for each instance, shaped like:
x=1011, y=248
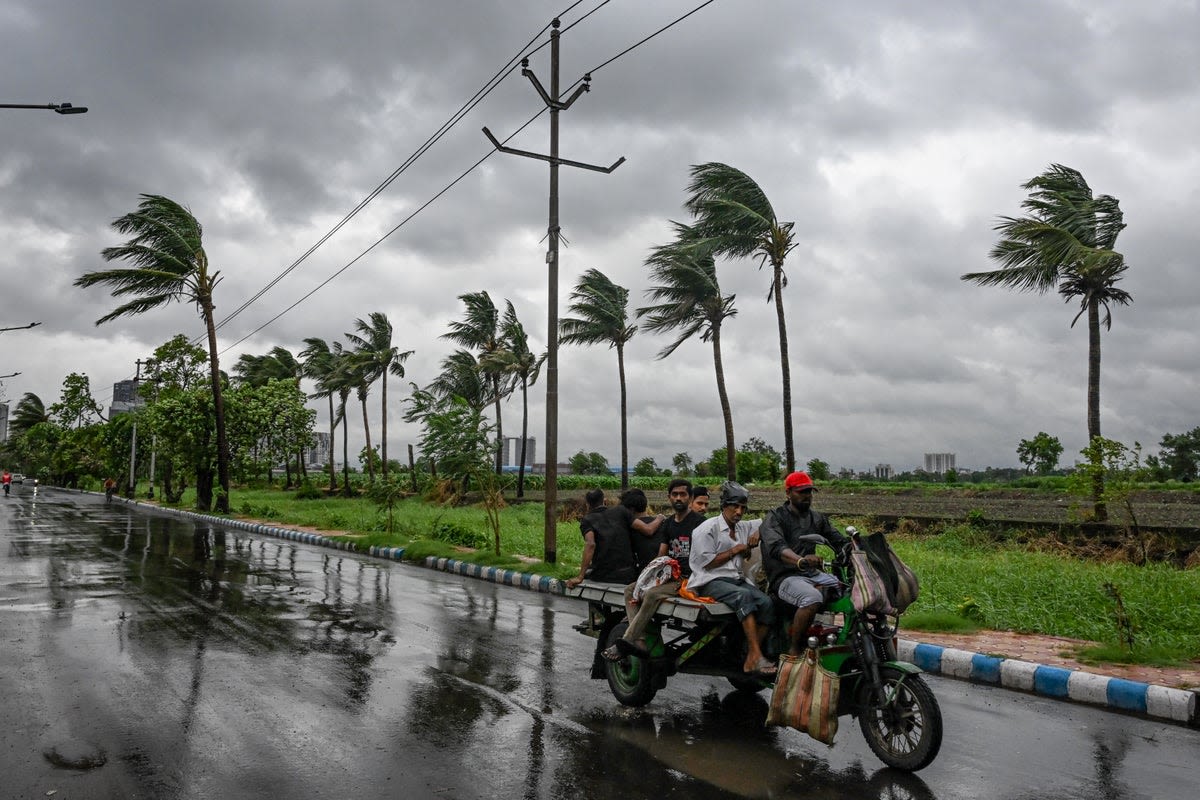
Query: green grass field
x=967, y=577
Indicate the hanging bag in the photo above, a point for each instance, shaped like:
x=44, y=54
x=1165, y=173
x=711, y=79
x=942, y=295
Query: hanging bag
x=901, y=582
x=806, y=697
x=870, y=592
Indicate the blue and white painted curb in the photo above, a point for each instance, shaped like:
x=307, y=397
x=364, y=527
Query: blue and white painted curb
x=1177, y=705
x=1160, y=702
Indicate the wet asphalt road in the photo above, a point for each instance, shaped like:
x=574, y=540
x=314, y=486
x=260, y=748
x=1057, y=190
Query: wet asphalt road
x=149, y=657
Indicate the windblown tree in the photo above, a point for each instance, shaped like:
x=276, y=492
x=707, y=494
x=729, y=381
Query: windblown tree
x=341, y=378
x=1066, y=242
x=377, y=357
x=523, y=365
x=734, y=218
x=461, y=377
x=690, y=302
x=318, y=365
x=257, y=372
x=29, y=411
x=601, y=310
x=169, y=264
x=480, y=331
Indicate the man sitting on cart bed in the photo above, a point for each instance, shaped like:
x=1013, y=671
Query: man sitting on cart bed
x=720, y=546
x=676, y=533
x=608, y=554
x=793, y=568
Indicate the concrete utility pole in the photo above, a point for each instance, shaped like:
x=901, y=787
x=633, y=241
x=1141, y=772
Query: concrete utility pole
x=556, y=104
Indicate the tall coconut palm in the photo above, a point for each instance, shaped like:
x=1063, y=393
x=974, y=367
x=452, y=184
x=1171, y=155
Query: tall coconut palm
x=691, y=303
x=480, y=331
x=733, y=217
x=523, y=365
x=1066, y=243
x=318, y=365
x=29, y=411
x=377, y=356
x=169, y=264
x=341, y=378
x=602, y=317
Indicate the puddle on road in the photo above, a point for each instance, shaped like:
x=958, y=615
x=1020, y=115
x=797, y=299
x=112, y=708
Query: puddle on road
x=76, y=755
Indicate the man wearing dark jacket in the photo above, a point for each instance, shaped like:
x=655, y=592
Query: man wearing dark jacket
x=793, y=568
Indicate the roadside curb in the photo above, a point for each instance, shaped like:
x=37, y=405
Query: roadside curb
x=1118, y=694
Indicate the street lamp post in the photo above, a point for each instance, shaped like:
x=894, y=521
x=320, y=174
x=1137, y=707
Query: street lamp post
x=58, y=108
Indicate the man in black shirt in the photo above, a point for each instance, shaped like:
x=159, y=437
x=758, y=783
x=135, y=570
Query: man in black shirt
x=793, y=568
x=676, y=530
x=608, y=554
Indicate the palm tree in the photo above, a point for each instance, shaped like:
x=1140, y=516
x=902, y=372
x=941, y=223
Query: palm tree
x=169, y=264
x=1066, y=243
x=733, y=217
x=378, y=356
x=692, y=303
x=29, y=411
x=480, y=331
x=341, y=377
x=317, y=364
x=602, y=317
x=461, y=377
x=523, y=365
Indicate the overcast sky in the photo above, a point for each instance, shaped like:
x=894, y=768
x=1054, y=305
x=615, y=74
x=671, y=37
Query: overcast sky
x=893, y=134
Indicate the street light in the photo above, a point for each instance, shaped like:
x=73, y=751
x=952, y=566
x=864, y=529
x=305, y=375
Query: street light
x=58, y=108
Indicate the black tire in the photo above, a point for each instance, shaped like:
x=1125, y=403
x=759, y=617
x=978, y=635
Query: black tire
x=907, y=733
x=629, y=679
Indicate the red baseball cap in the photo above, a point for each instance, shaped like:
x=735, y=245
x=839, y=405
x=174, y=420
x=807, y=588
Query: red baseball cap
x=799, y=480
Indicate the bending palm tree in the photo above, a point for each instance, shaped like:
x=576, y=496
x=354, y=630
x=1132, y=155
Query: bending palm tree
x=317, y=363
x=517, y=360
x=602, y=317
x=30, y=411
x=378, y=356
x=692, y=304
x=462, y=377
x=733, y=217
x=341, y=378
x=1066, y=243
x=169, y=263
x=480, y=331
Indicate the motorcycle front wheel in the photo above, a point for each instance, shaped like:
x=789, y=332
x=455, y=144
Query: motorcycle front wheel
x=906, y=733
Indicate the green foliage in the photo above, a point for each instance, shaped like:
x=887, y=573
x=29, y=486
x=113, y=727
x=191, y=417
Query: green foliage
x=387, y=494
x=682, y=463
x=818, y=469
x=645, y=468
x=1114, y=467
x=76, y=408
x=1179, y=458
x=1041, y=453
x=757, y=462
x=951, y=476
x=455, y=436
x=588, y=464
x=308, y=491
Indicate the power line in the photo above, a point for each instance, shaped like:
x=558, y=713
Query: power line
x=462, y=175
x=454, y=119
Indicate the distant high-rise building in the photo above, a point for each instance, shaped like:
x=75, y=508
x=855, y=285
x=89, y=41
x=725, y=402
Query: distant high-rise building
x=939, y=463
x=883, y=471
x=125, y=398
x=512, y=451
x=317, y=454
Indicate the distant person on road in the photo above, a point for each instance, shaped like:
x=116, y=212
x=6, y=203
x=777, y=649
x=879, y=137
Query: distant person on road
x=6, y=479
x=677, y=543
x=110, y=486
x=608, y=554
x=720, y=547
x=793, y=567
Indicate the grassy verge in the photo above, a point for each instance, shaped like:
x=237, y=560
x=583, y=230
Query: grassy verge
x=969, y=577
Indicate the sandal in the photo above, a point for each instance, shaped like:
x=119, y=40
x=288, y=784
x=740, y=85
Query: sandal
x=611, y=653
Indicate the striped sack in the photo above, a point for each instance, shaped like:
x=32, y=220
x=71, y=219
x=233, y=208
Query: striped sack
x=805, y=697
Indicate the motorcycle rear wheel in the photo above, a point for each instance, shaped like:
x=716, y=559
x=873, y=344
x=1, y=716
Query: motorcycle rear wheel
x=907, y=732
x=629, y=679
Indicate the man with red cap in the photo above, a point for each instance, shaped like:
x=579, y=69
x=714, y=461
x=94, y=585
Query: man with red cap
x=793, y=568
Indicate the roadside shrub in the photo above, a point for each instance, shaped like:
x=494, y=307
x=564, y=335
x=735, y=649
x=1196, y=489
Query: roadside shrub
x=308, y=491
x=461, y=535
